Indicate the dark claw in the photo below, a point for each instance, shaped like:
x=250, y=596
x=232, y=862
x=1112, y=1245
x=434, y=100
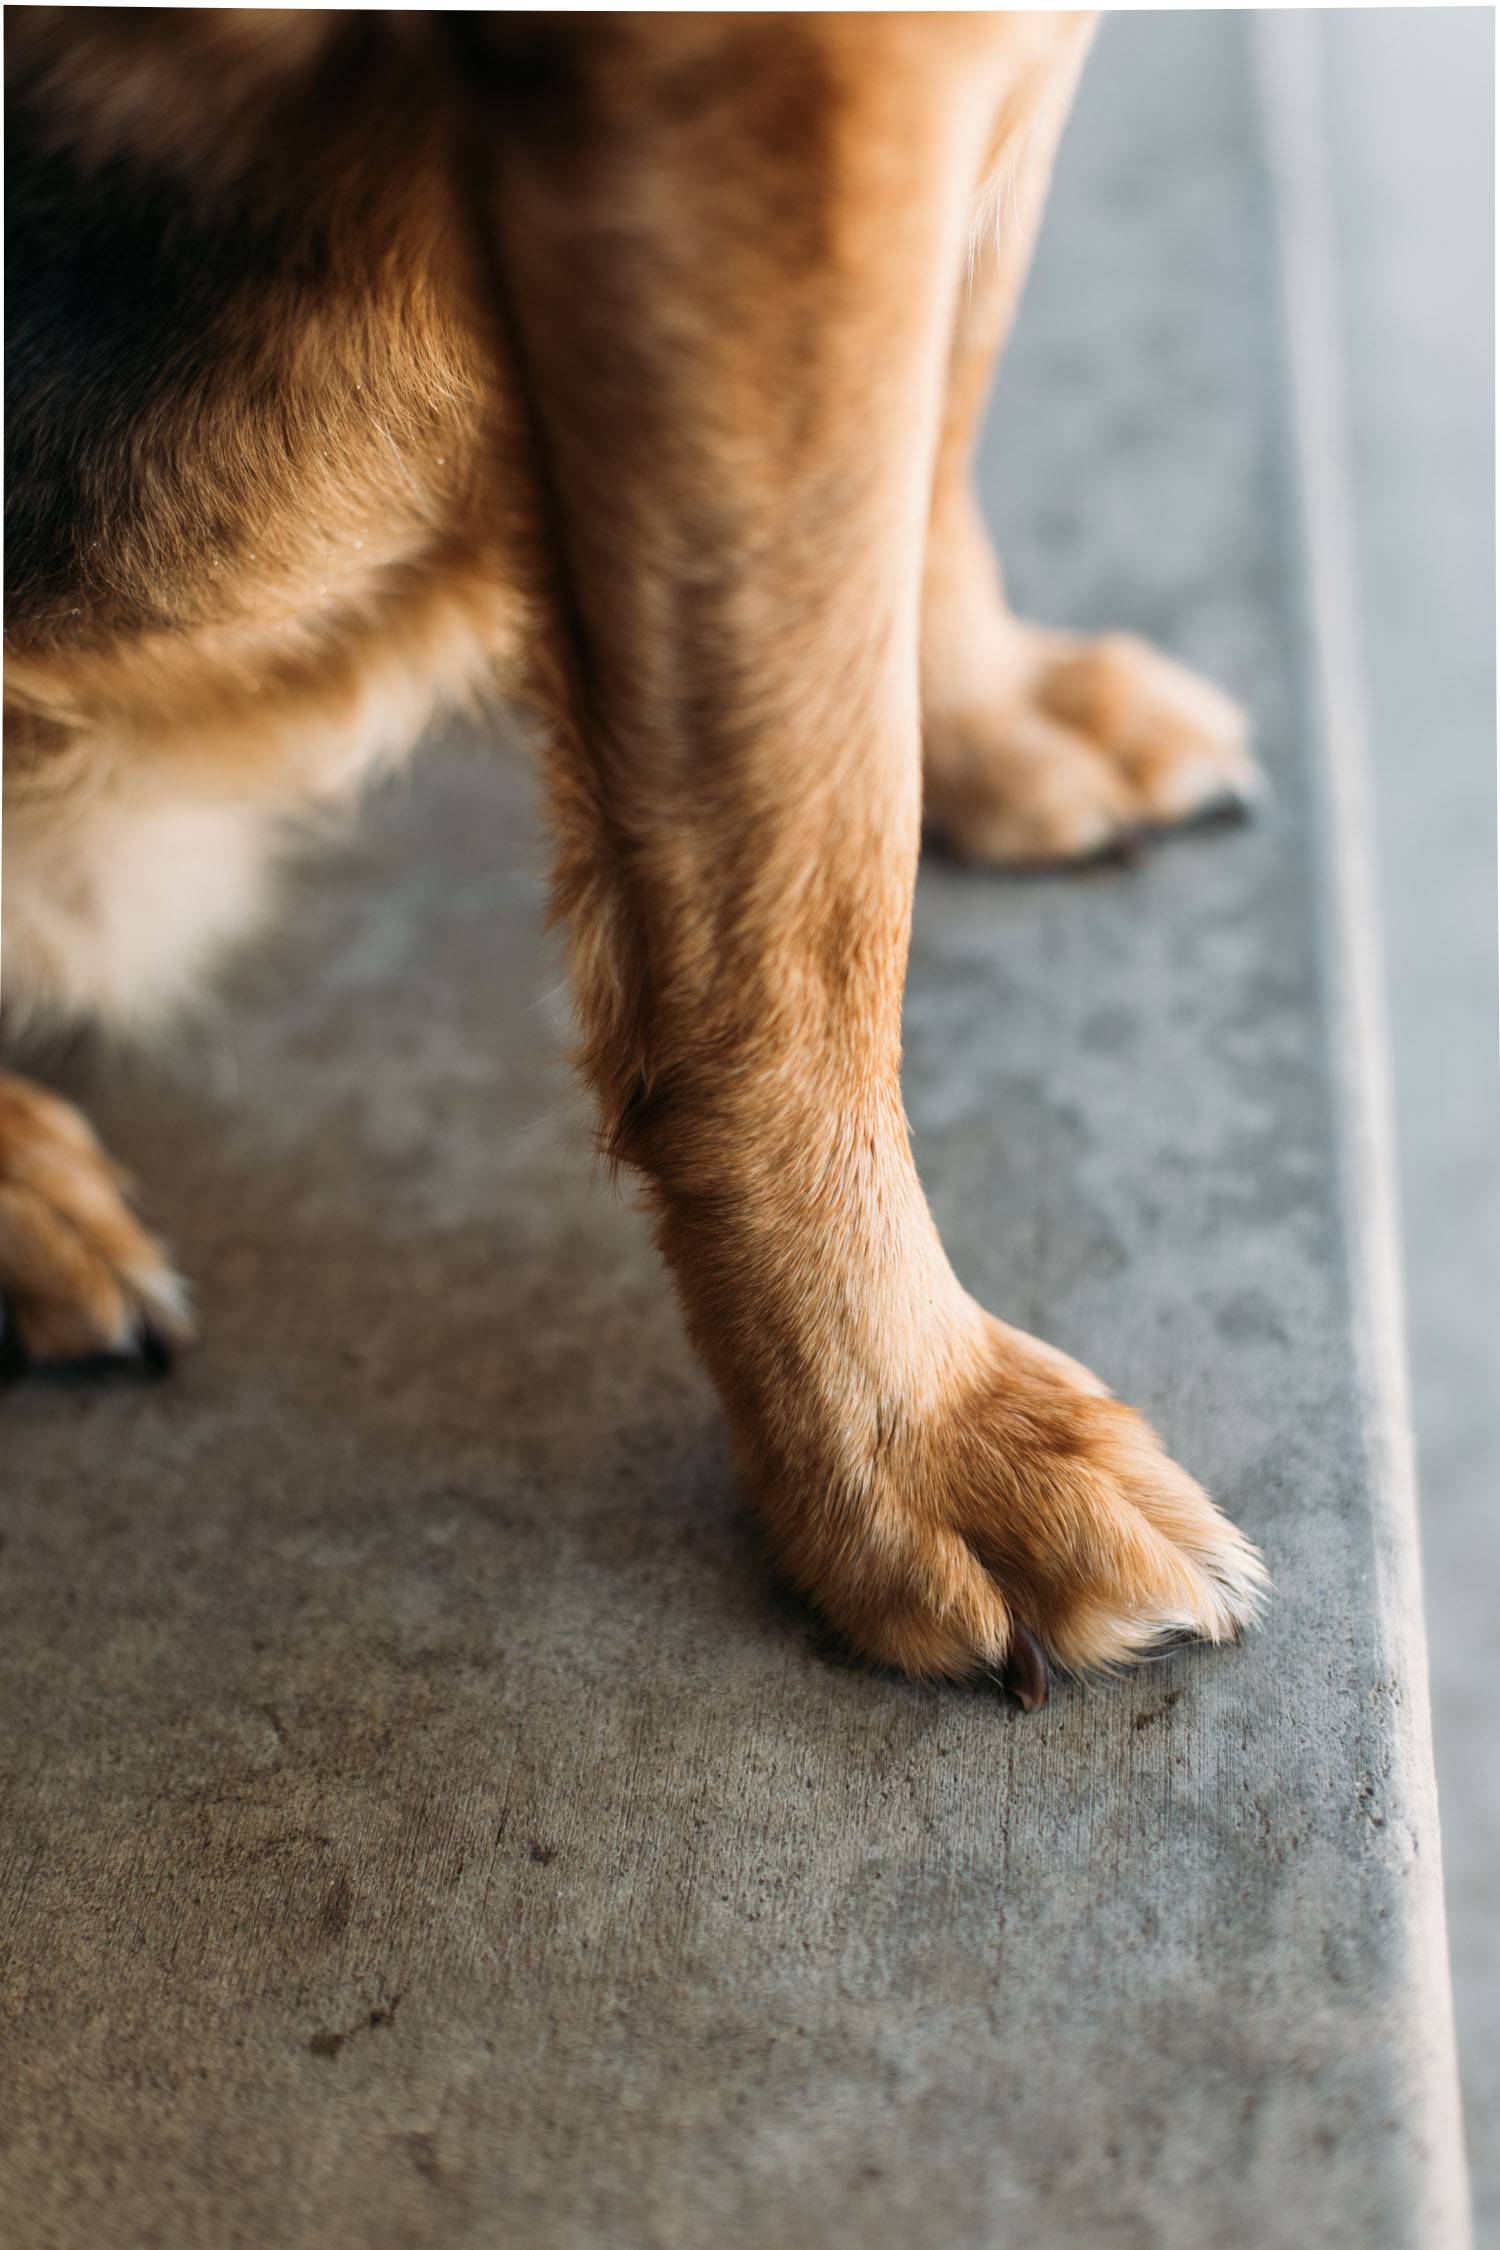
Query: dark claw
x=14, y=1359
x=156, y=1353
x=1230, y=809
x=1128, y=849
x=1024, y=1673
x=1235, y=802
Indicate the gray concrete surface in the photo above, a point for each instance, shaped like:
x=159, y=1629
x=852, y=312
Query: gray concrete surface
x=1411, y=109
x=426, y=1825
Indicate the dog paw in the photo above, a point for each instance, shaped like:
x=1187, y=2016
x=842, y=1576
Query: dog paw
x=1032, y=1520
x=1078, y=748
x=80, y=1277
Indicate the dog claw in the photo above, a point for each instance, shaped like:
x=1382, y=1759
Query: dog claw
x=1024, y=1673
x=156, y=1353
x=14, y=1357
x=1233, y=807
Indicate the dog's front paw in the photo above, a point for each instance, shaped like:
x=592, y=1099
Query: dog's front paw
x=1078, y=747
x=80, y=1277
x=1029, y=1517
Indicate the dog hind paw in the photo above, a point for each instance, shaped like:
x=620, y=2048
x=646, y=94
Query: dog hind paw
x=80, y=1277
x=1082, y=748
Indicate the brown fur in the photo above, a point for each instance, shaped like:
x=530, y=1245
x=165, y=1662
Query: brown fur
x=633, y=362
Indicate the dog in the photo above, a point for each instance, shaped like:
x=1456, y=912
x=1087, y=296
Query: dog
x=631, y=366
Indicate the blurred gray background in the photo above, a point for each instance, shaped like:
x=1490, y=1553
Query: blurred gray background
x=1409, y=101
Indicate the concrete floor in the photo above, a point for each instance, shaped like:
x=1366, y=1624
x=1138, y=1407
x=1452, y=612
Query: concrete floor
x=1411, y=109
x=426, y=1824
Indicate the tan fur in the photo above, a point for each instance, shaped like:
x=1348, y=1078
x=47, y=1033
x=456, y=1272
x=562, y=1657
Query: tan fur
x=651, y=394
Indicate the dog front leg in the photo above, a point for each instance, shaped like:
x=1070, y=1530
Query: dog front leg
x=724, y=257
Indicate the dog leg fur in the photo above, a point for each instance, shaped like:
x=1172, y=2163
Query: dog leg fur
x=1042, y=746
x=735, y=371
